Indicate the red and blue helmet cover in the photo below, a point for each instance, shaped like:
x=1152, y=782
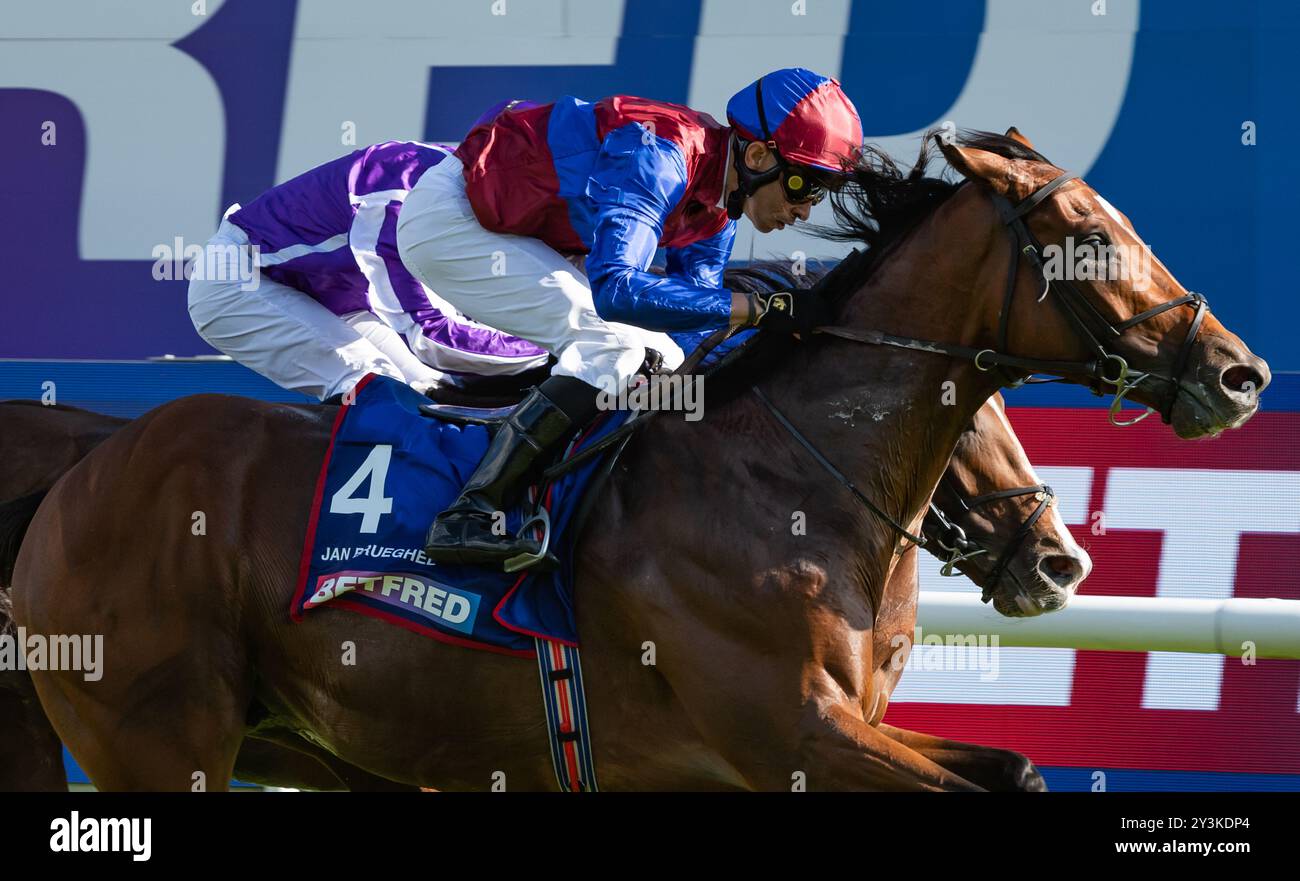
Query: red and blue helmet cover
x=809, y=117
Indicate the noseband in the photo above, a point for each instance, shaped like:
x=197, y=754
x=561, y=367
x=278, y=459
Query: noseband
x=951, y=538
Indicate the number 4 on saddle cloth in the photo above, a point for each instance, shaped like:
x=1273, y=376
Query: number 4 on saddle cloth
x=388, y=470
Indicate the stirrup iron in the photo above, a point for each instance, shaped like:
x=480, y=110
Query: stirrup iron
x=526, y=560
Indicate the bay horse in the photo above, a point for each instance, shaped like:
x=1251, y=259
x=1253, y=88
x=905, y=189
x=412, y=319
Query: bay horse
x=988, y=461
x=721, y=650
x=40, y=443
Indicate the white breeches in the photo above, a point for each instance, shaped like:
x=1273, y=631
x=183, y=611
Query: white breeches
x=288, y=337
x=516, y=284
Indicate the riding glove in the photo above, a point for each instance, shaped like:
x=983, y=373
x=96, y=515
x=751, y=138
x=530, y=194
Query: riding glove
x=792, y=312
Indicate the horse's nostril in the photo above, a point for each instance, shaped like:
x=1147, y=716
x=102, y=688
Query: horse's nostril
x=1062, y=569
x=1242, y=379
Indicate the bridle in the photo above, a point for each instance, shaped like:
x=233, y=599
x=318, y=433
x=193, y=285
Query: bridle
x=1107, y=368
x=1091, y=324
x=952, y=540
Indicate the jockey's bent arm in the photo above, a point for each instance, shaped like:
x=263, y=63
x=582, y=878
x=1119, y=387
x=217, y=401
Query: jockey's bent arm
x=637, y=181
x=704, y=261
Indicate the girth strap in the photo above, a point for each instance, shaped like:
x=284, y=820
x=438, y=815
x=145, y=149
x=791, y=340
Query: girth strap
x=567, y=726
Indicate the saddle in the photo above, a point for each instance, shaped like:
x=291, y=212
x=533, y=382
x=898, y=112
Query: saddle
x=388, y=469
x=459, y=414
x=538, y=516
x=492, y=416
x=487, y=403
x=395, y=459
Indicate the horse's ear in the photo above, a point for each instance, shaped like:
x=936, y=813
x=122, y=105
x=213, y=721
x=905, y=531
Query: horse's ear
x=996, y=172
x=1014, y=134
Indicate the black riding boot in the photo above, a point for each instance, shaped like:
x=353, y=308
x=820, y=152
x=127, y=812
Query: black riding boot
x=541, y=423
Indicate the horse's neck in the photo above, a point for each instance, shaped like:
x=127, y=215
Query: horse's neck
x=884, y=416
x=890, y=418
x=915, y=404
x=891, y=434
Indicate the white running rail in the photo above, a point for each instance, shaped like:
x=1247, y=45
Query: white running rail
x=1126, y=624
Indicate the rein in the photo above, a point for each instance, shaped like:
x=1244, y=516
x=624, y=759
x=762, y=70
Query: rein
x=821, y=460
x=620, y=434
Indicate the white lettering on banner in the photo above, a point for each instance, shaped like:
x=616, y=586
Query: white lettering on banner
x=1032, y=676
x=1016, y=78
x=1027, y=676
x=740, y=40
x=1073, y=487
x=1202, y=514
x=416, y=592
x=383, y=84
x=147, y=178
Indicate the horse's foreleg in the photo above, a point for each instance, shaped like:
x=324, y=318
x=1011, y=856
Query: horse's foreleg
x=841, y=751
x=997, y=770
x=282, y=758
x=784, y=723
x=827, y=747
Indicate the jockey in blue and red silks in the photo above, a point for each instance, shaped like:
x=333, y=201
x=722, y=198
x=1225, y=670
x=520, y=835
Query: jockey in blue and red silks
x=495, y=227
x=614, y=180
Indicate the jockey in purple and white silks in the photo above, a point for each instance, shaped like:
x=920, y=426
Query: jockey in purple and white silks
x=333, y=301
x=490, y=228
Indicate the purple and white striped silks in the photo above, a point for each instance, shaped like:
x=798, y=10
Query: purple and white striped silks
x=332, y=234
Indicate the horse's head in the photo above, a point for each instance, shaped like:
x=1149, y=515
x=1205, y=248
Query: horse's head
x=998, y=523
x=1089, y=291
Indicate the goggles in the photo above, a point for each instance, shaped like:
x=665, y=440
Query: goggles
x=801, y=186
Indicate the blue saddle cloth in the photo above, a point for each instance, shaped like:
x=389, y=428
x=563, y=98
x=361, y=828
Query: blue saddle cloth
x=388, y=471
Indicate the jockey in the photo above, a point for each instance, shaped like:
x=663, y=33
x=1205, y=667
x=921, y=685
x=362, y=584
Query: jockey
x=331, y=300
x=489, y=229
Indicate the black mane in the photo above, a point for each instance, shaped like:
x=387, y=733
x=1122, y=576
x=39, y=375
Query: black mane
x=882, y=203
x=879, y=206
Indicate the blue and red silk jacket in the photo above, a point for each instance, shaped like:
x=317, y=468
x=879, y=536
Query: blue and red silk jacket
x=614, y=180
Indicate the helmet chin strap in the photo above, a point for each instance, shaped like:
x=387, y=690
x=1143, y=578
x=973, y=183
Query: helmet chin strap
x=747, y=181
